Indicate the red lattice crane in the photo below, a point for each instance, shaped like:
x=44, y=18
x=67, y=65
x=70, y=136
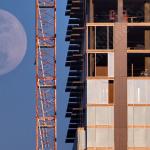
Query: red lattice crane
x=45, y=75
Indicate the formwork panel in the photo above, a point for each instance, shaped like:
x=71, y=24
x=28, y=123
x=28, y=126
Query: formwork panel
x=104, y=137
x=91, y=119
x=138, y=91
x=139, y=115
x=97, y=91
x=100, y=137
x=100, y=116
x=104, y=115
x=91, y=137
x=139, y=137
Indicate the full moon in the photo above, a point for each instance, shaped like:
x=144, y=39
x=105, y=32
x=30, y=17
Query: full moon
x=13, y=42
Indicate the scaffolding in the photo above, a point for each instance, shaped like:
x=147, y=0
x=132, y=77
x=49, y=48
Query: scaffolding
x=45, y=65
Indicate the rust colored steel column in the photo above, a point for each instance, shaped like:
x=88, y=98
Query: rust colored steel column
x=120, y=87
x=147, y=19
x=91, y=11
x=46, y=75
x=120, y=10
x=91, y=38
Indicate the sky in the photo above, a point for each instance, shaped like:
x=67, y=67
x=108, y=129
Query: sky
x=17, y=88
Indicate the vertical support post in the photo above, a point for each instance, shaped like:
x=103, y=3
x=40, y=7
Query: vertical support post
x=120, y=82
x=120, y=86
x=91, y=11
x=147, y=19
x=91, y=36
x=120, y=10
x=132, y=70
x=107, y=37
x=91, y=29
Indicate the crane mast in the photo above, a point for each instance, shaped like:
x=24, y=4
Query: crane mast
x=45, y=66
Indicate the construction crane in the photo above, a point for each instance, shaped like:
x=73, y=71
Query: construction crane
x=45, y=65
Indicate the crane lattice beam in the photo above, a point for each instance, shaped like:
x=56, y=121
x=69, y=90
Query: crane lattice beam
x=45, y=75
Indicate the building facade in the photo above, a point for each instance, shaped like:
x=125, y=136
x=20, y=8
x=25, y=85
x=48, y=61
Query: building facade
x=109, y=76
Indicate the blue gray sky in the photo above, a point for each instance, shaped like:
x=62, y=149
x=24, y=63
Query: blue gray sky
x=17, y=88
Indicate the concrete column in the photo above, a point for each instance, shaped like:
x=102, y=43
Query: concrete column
x=120, y=82
x=91, y=11
x=92, y=65
x=91, y=37
x=120, y=11
x=120, y=87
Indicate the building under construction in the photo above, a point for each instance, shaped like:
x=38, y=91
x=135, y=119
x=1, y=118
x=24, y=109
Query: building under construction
x=109, y=76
